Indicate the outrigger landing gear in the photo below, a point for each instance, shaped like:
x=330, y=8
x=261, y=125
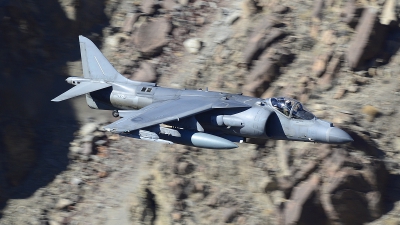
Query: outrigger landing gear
x=115, y=113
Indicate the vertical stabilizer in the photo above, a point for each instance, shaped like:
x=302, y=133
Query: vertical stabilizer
x=95, y=65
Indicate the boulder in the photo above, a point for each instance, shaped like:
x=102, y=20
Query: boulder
x=343, y=197
x=88, y=129
x=249, y=7
x=63, y=203
x=263, y=72
x=148, y=6
x=320, y=64
x=228, y=215
x=146, y=73
x=169, y=5
x=302, y=208
x=192, y=45
x=261, y=38
x=130, y=19
x=280, y=9
x=367, y=41
x=371, y=112
x=318, y=8
x=388, y=15
x=352, y=188
x=351, y=13
x=152, y=36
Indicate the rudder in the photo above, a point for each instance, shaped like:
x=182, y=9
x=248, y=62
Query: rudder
x=95, y=66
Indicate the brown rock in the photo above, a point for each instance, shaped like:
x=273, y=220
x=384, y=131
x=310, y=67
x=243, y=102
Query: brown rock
x=351, y=192
x=340, y=93
x=183, y=168
x=241, y=220
x=200, y=20
x=281, y=9
x=199, y=187
x=146, y=73
x=269, y=93
x=351, y=13
x=318, y=8
x=321, y=63
x=388, y=15
x=286, y=185
x=152, y=36
x=228, y=215
x=304, y=97
x=148, y=6
x=102, y=174
x=248, y=8
x=374, y=199
x=305, y=171
x=323, y=151
x=264, y=71
x=367, y=41
x=261, y=38
x=87, y=148
x=168, y=5
x=63, y=203
x=334, y=64
x=130, y=19
x=314, y=31
x=371, y=112
x=351, y=206
x=328, y=37
x=176, y=216
x=179, y=32
x=325, y=82
x=302, y=209
x=268, y=184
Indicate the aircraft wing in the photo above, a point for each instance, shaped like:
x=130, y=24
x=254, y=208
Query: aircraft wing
x=164, y=111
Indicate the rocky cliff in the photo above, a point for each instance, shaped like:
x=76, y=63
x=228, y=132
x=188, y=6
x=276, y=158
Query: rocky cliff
x=340, y=58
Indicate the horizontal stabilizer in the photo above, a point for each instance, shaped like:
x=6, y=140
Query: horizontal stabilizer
x=80, y=89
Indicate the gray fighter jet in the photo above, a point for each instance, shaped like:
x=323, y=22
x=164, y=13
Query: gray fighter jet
x=198, y=118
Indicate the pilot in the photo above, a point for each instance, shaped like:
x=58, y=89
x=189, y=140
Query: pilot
x=287, y=108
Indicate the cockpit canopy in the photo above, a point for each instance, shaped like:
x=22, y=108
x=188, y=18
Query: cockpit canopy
x=291, y=108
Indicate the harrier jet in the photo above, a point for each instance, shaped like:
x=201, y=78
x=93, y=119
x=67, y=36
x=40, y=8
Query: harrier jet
x=200, y=118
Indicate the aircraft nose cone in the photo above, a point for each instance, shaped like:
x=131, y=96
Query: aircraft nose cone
x=339, y=136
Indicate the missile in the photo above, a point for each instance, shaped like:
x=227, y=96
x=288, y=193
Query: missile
x=184, y=137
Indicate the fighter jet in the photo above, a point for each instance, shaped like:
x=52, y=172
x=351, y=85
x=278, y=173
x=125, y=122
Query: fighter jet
x=200, y=118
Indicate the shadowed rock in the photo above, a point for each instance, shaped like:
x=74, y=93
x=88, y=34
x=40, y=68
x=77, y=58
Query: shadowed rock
x=302, y=207
x=368, y=39
x=351, y=13
x=152, y=36
x=146, y=73
x=261, y=38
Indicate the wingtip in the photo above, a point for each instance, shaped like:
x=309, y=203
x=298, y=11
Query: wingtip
x=82, y=38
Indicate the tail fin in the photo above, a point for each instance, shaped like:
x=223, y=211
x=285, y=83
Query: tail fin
x=95, y=65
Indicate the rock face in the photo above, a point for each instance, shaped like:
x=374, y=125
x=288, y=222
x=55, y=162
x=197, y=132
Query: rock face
x=152, y=36
x=351, y=13
x=262, y=36
x=148, y=6
x=368, y=40
x=146, y=73
x=301, y=208
x=349, y=193
x=258, y=47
